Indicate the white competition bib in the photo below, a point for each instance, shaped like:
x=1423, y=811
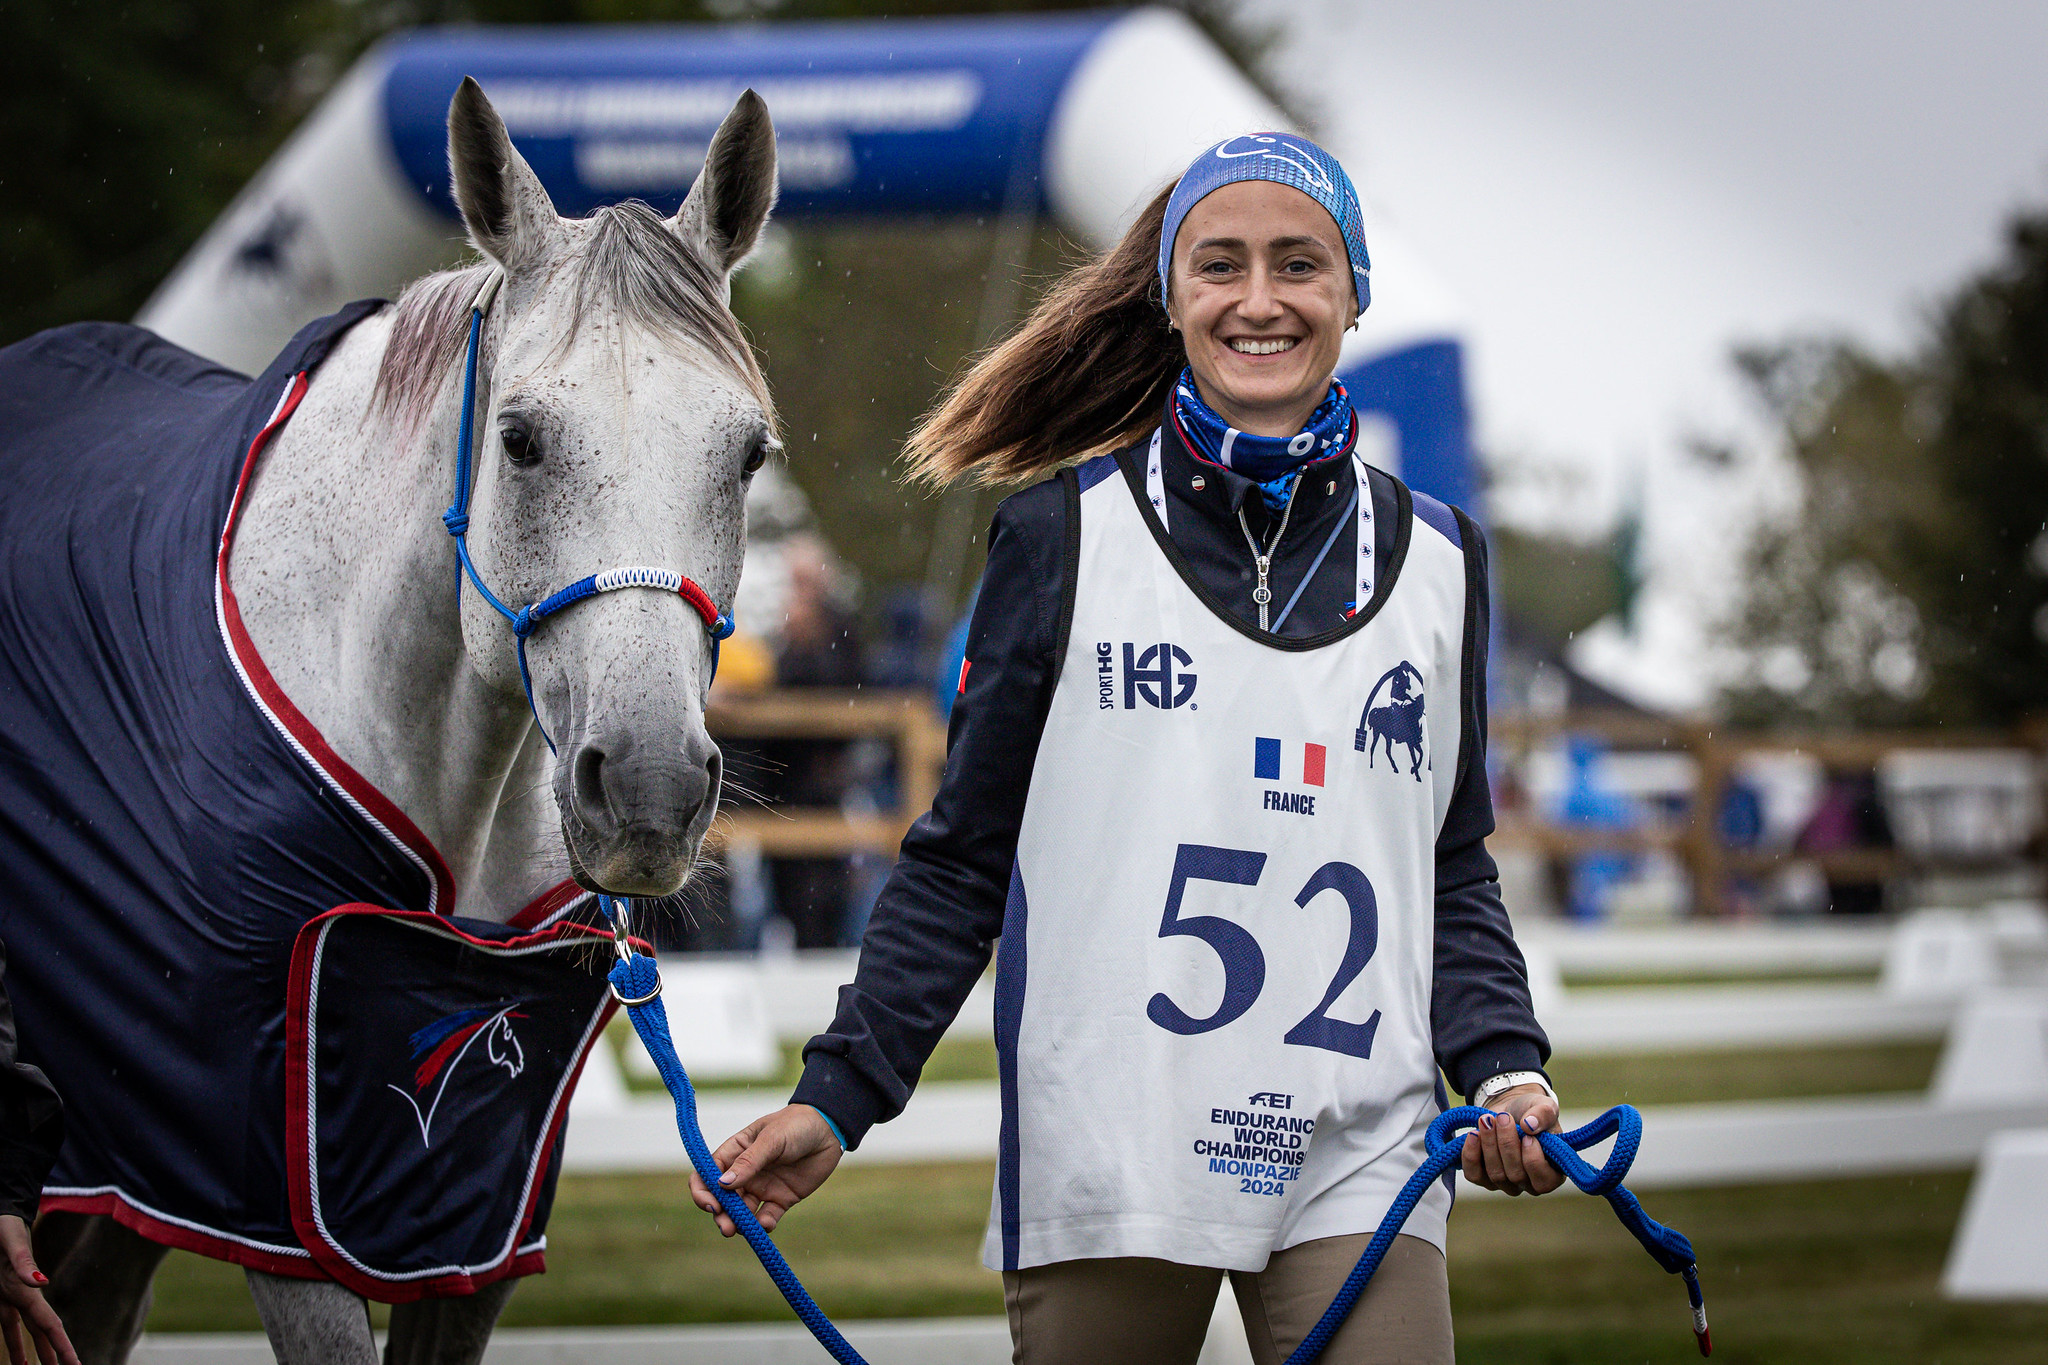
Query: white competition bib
x=1214, y=979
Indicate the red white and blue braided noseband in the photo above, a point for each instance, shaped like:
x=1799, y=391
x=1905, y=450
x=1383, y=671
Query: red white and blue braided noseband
x=717, y=624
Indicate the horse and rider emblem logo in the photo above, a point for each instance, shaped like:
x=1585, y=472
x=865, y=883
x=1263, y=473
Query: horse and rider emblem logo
x=438, y=1050
x=1399, y=721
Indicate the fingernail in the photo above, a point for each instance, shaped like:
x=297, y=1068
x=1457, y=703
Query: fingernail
x=726, y=1178
x=41, y=1278
x=1486, y=1121
x=1530, y=1123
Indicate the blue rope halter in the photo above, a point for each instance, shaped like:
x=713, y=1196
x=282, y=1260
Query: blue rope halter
x=636, y=983
x=717, y=624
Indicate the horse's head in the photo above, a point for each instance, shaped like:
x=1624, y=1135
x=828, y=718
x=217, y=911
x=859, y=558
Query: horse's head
x=620, y=416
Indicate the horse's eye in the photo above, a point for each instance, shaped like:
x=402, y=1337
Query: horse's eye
x=758, y=455
x=521, y=448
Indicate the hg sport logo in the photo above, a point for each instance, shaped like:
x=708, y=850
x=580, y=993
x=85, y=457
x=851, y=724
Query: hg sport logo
x=1154, y=674
x=438, y=1050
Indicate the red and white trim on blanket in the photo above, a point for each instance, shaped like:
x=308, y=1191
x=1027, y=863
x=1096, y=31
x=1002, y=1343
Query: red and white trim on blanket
x=299, y=732
x=520, y=1256
x=165, y=1230
x=551, y=906
x=295, y=1262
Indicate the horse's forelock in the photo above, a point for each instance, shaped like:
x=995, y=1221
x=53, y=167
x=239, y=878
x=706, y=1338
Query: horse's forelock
x=637, y=264
x=632, y=262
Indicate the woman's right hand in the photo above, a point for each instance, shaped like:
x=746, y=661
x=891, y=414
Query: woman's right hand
x=21, y=1301
x=772, y=1163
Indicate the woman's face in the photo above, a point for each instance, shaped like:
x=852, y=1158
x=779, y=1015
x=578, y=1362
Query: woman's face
x=1261, y=291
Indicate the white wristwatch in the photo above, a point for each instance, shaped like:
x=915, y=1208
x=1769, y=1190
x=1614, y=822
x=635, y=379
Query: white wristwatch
x=1508, y=1080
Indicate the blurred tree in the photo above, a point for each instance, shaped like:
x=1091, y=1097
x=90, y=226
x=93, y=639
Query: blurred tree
x=129, y=127
x=1910, y=585
x=132, y=123
x=859, y=325
x=1552, y=588
x=135, y=122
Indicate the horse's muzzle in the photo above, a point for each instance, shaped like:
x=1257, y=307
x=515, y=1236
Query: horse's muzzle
x=634, y=818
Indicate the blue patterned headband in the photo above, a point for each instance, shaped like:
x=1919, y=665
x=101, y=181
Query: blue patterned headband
x=1284, y=159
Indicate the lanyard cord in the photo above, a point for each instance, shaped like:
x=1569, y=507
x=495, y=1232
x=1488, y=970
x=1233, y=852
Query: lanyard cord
x=1321, y=555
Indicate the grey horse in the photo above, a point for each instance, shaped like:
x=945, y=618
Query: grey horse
x=654, y=415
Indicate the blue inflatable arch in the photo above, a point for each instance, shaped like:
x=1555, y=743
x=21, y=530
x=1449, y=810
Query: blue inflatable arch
x=1080, y=116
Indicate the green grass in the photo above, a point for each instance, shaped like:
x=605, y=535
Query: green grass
x=1807, y=1274
x=1595, y=1081
x=1797, y=976
x=1826, y=1273
x=1585, y=1081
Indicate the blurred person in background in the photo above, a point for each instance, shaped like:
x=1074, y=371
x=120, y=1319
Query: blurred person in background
x=1168, y=697
x=820, y=647
x=902, y=657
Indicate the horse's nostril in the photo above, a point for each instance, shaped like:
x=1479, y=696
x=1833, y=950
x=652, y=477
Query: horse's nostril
x=593, y=807
x=714, y=775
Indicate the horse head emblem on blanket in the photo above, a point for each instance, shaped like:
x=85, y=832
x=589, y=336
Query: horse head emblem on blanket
x=1397, y=722
x=438, y=1051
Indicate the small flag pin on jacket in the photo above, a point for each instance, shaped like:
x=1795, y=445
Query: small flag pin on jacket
x=1199, y=482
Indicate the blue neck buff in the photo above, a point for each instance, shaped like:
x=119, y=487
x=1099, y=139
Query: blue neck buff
x=1271, y=462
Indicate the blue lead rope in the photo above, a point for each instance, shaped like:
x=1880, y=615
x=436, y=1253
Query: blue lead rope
x=1667, y=1245
x=637, y=983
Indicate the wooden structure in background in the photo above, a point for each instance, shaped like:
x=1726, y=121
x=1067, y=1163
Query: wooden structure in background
x=909, y=722
x=905, y=717
x=1695, y=839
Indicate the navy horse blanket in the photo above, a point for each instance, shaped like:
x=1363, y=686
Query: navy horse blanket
x=234, y=957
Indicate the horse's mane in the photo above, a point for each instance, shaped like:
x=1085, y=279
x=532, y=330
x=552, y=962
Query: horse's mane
x=632, y=261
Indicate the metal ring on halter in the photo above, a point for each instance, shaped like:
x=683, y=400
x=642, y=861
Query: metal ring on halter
x=637, y=1000
x=615, y=910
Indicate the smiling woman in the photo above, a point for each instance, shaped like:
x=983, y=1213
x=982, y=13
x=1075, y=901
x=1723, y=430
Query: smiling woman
x=1163, y=795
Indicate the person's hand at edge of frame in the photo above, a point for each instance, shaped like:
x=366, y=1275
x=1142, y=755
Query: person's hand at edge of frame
x=772, y=1163
x=22, y=1304
x=1502, y=1153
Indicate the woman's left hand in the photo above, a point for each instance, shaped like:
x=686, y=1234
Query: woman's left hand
x=1503, y=1153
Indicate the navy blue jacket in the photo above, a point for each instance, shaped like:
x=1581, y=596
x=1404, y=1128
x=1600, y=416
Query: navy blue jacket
x=935, y=925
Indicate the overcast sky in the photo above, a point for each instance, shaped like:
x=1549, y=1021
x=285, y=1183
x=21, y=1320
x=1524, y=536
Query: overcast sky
x=1617, y=193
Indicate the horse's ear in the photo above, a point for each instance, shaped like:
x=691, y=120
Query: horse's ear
x=723, y=215
x=507, y=210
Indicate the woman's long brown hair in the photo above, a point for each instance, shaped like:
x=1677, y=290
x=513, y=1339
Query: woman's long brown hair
x=1089, y=370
